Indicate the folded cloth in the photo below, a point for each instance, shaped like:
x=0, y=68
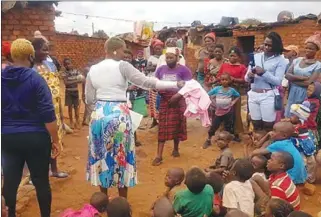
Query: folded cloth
x=197, y=101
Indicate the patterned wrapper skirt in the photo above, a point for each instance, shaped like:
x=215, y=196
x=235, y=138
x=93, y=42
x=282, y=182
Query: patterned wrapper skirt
x=153, y=111
x=172, y=122
x=111, y=154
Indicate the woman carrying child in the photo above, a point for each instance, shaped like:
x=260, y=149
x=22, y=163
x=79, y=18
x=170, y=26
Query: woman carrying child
x=303, y=71
x=237, y=72
x=213, y=63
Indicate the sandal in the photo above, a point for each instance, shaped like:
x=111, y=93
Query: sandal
x=59, y=175
x=175, y=154
x=157, y=161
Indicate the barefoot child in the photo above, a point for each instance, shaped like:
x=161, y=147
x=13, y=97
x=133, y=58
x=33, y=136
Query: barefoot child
x=72, y=78
x=225, y=98
x=98, y=205
x=173, y=181
x=281, y=135
x=238, y=193
x=197, y=199
x=225, y=160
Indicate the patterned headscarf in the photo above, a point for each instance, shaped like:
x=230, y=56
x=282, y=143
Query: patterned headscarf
x=302, y=111
x=157, y=43
x=211, y=35
x=315, y=39
x=172, y=41
x=5, y=48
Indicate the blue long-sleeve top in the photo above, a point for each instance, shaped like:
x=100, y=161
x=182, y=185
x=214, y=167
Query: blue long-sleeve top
x=274, y=68
x=26, y=101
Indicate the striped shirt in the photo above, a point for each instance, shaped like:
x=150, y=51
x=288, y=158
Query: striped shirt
x=282, y=187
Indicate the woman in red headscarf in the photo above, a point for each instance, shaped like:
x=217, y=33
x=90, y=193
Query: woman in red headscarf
x=157, y=48
x=5, y=50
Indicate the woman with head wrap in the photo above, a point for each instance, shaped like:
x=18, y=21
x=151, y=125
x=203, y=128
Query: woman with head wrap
x=237, y=72
x=267, y=74
x=303, y=71
x=28, y=127
x=209, y=40
x=172, y=122
x=111, y=157
x=5, y=50
x=170, y=43
x=49, y=72
x=151, y=68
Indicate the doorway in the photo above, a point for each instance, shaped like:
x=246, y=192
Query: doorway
x=246, y=44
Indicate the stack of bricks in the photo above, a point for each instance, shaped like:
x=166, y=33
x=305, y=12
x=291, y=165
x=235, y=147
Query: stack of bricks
x=22, y=23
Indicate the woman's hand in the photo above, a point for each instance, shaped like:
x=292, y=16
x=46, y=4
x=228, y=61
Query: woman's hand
x=174, y=99
x=180, y=84
x=259, y=70
x=55, y=150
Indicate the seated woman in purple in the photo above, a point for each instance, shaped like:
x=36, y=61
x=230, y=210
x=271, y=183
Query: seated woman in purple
x=172, y=122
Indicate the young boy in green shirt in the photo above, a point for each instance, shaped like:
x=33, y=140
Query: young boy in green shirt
x=197, y=199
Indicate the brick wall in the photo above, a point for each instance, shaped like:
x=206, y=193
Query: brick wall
x=190, y=51
x=80, y=49
x=22, y=23
x=291, y=34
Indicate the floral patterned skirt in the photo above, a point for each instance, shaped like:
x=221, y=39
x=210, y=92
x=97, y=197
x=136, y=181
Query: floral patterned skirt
x=111, y=154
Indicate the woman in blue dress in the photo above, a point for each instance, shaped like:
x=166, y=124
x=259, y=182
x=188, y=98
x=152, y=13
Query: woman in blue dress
x=303, y=71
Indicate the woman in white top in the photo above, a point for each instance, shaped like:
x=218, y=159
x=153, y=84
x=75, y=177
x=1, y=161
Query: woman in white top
x=111, y=158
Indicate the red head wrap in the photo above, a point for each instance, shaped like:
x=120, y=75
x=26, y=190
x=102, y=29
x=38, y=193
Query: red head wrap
x=211, y=35
x=5, y=48
x=157, y=43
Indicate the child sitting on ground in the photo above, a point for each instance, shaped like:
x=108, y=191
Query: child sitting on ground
x=225, y=160
x=259, y=163
x=238, y=193
x=305, y=141
x=98, y=205
x=197, y=199
x=217, y=183
x=225, y=98
x=173, y=180
x=163, y=208
x=278, y=208
x=119, y=207
x=281, y=185
x=281, y=135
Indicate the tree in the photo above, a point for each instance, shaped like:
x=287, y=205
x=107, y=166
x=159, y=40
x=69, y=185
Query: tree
x=100, y=34
x=251, y=21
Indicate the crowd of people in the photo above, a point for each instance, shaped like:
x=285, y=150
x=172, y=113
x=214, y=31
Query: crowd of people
x=280, y=153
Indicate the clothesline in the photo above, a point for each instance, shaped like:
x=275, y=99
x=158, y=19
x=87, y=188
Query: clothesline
x=126, y=20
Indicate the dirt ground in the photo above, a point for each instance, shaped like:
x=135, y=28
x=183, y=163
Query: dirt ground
x=75, y=191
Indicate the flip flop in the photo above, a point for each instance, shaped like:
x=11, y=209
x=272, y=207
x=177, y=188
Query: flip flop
x=157, y=161
x=175, y=154
x=59, y=175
